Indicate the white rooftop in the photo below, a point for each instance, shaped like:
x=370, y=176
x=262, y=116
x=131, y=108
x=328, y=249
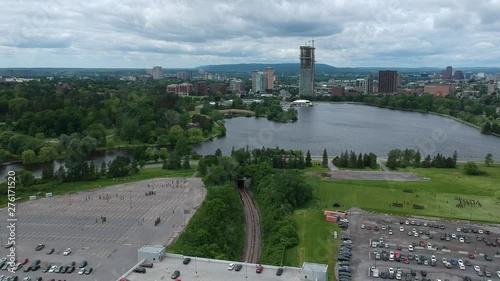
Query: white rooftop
x=201, y=269
x=315, y=267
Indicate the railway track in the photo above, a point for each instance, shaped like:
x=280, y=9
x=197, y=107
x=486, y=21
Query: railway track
x=252, y=228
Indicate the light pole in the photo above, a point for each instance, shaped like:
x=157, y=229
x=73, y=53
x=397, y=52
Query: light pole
x=70, y=199
x=82, y=237
x=475, y=247
x=246, y=270
x=195, y=266
x=130, y=198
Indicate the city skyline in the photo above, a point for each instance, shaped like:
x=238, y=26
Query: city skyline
x=177, y=34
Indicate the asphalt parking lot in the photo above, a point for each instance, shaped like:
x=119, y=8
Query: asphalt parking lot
x=76, y=221
x=366, y=228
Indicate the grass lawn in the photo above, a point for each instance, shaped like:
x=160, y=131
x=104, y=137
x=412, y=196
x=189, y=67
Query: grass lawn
x=68, y=187
x=316, y=243
x=438, y=195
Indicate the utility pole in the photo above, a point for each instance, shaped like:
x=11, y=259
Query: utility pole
x=70, y=199
x=195, y=266
x=130, y=197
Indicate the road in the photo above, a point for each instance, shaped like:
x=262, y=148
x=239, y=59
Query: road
x=252, y=228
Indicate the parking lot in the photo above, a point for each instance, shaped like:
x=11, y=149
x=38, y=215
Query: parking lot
x=104, y=226
x=374, y=236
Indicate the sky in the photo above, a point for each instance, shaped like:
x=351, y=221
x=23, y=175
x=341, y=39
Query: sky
x=190, y=33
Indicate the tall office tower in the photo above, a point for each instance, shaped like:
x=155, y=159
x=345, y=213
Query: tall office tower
x=306, y=82
x=458, y=75
x=387, y=80
x=157, y=73
x=236, y=86
x=257, y=82
x=447, y=73
x=369, y=85
x=269, y=80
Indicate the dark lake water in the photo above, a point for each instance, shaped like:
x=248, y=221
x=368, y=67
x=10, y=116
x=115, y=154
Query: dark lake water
x=337, y=127
x=362, y=128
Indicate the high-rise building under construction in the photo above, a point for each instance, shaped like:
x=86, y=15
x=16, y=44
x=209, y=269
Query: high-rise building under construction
x=306, y=81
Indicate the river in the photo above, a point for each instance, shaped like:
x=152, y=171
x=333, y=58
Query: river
x=337, y=127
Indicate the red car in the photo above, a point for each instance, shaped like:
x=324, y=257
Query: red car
x=259, y=269
x=406, y=261
x=397, y=255
x=25, y=261
x=472, y=256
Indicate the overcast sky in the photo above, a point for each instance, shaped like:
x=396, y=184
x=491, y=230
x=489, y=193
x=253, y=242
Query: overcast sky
x=189, y=33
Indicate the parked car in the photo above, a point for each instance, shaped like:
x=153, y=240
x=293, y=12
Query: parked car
x=238, y=267
x=279, y=271
x=50, y=251
x=259, y=269
x=39, y=247
x=67, y=252
x=231, y=266
x=89, y=270
x=25, y=261
x=82, y=270
x=83, y=264
x=186, y=260
x=147, y=264
x=138, y=269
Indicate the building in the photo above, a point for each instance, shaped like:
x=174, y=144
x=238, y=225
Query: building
x=314, y=272
x=306, y=81
x=447, y=73
x=338, y=91
x=236, y=86
x=258, y=82
x=180, y=89
x=157, y=73
x=458, y=75
x=301, y=103
x=387, y=81
x=439, y=90
x=151, y=253
x=200, y=88
x=469, y=75
x=269, y=79
x=214, y=270
x=368, y=85
x=184, y=75
x=490, y=88
x=218, y=87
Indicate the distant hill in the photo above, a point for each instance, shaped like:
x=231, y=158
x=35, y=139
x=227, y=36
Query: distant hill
x=278, y=67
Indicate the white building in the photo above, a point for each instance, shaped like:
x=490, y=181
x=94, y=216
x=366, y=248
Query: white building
x=157, y=73
x=154, y=253
x=314, y=272
x=301, y=103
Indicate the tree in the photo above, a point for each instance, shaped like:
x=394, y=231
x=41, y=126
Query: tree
x=29, y=156
x=455, y=157
x=47, y=154
x=472, y=169
x=129, y=129
x=308, y=159
x=185, y=164
x=175, y=133
x=182, y=148
x=418, y=158
x=195, y=135
x=163, y=153
x=47, y=173
x=218, y=152
x=360, y=164
x=486, y=128
x=97, y=131
x=324, y=163
x=88, y=145
x=488, y=160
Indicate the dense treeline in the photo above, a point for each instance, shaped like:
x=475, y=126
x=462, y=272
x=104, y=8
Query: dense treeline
x=490, y=127
x=217, y=230
x=398, y=158
x=277, y=191
x=475, y=111
x=111, y=112
x=350, y=160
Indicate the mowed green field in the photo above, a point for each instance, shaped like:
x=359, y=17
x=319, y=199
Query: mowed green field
x=316, y=243
x=438, y=195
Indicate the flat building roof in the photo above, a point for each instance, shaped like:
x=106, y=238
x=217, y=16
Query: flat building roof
x=202, y=269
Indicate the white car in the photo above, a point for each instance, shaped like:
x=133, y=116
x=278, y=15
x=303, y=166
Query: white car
x=444, y=260
x=458, y=229
x=52, y=268
x=498, y=274
x=454, y=236
x=415, y=234
x=390, y=232
x=462, y=266
x=460, y=261
x=407, y=222
x=391, y=270
x=231, y=266
x=398, y=276
x=391, y=256
x=480, y=231
x=476, y=268
x=67, y=252
x=82, y=271
x=433, y=258
x=401, y=229
x=410, y=248
x=462, y=240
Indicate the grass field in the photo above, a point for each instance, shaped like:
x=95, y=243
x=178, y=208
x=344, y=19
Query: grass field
x=316, y=243
x=56, y=188
x=438, y=195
